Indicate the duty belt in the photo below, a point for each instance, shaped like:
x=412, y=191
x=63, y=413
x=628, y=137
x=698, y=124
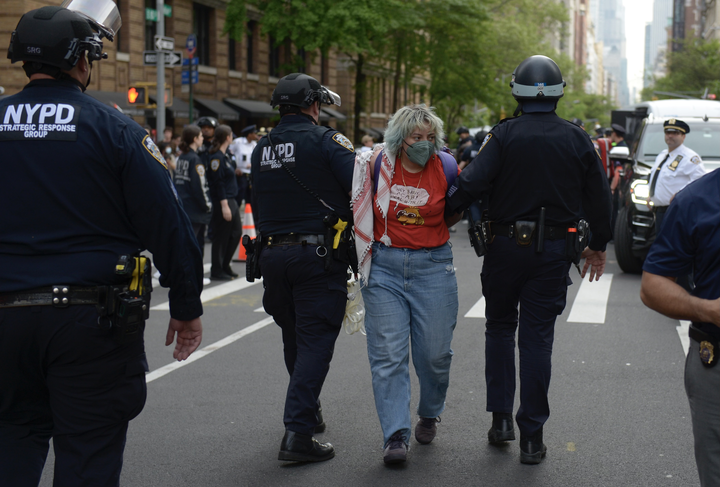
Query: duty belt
x=59, y=296
x=295, y=239
x=551, y=233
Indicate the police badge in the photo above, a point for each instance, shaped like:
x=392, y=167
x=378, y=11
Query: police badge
x=707, y=354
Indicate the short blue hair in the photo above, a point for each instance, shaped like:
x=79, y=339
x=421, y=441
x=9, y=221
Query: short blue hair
x=406, y=120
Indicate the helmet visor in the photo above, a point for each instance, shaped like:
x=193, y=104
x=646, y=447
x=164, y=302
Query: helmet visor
x=329, y=97
x=102, y=13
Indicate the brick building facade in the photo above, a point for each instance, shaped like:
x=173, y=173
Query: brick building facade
x=236, y=77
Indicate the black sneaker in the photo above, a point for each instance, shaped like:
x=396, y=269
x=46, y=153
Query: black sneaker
x=502, y=429
x=532, y=449
x=232, y=273
x=426, y=429
x=396, y=450
x=221, y=277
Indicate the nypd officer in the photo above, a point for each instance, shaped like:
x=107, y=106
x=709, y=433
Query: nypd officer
x=89, y=190
x=542, y=173
x=207, y=126
x=674, y=168
x=690, y=238
x=302, y=174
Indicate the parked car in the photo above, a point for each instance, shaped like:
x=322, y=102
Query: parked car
x=635, y=223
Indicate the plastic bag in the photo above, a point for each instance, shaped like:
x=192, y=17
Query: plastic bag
x=354, y=320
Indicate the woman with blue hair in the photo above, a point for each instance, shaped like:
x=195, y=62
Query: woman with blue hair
x=411, y=294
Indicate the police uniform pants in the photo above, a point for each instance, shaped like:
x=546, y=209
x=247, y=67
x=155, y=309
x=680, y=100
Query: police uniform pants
x=226, y=237
x=538, y=282
x=62, y=376
x=308, y=303
x=702, y=385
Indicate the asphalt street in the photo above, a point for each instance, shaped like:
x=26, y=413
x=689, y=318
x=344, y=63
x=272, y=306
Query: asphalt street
x=619, y=414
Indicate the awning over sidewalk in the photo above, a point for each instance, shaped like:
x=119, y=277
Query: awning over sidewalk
x=220, y=110
x=252, y=108
x=334, y=113
x=376, y=133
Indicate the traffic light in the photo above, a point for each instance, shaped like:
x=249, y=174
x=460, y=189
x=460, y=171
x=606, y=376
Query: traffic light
x=137, y=95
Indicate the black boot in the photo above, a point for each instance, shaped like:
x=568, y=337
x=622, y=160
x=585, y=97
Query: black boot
x=296, y=447
x=502, y=429
x=320, y=427
x=532, y=448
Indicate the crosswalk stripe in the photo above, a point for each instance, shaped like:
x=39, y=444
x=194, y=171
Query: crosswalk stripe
x=478, y=310
x=215, y=292
x=198, y=354
x=590, y=305
x=683, y=328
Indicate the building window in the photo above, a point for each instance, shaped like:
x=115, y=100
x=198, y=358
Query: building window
x=273, y=58
x=201, y=28
x=150, y=26
x=252, y=29
x=231, y=54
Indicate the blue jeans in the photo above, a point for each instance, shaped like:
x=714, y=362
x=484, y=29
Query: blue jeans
x=411, y=297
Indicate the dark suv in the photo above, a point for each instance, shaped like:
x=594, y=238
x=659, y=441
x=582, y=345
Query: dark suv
x=635, y=223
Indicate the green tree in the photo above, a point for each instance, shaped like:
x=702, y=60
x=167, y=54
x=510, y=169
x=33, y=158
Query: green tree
x=577, y=103
x=353, y=27
x=692, y=70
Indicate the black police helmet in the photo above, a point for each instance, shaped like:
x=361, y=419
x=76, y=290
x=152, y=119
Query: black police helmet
x=207, y=122
x=54, y=36
x=537, y=78
x=301, y=90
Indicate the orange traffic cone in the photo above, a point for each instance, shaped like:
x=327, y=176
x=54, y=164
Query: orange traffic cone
x=248, y=229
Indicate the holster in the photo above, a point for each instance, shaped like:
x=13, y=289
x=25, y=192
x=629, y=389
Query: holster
x=253, y=248
x=576, y=241
x=475, y=232
x=524, y=231
x=128, y=307
x=340, y=242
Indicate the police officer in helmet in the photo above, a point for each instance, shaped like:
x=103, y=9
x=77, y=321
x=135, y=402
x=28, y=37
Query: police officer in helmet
x=542, y=175
x=302, y=178
x=90, y=191
x=207, y=127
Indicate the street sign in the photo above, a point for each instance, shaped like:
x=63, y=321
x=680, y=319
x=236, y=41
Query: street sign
x=151, y=13
x=172, y=59
x=164, y=43
x=186, y=62
x=191, y=42
x=186, y=77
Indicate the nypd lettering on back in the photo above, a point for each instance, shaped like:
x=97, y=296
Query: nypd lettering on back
x=285, y=152
x=39, y=121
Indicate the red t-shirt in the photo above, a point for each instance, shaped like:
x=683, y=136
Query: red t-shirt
x=416, y=214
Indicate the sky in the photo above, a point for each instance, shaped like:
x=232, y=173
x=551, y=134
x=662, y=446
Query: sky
x=637, y=14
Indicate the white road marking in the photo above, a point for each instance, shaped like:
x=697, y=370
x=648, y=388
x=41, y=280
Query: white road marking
x=215, y=292
x=590, y=305
x=198, y=354
x=156, y=281
x=259, y=310
x=478, y=310
x=683, y=329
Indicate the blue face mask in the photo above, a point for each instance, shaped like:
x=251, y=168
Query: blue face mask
x=420, y=152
